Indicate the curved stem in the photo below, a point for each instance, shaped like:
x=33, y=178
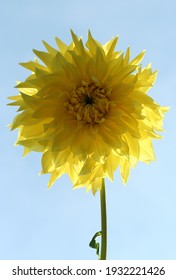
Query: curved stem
x=103, y=222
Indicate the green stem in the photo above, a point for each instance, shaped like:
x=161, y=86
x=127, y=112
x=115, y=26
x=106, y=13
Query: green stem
x=103, y=222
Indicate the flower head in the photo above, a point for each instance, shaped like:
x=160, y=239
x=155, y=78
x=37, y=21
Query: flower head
x=85, y=108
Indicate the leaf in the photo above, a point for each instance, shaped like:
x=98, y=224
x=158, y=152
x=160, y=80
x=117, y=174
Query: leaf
x=93, y=244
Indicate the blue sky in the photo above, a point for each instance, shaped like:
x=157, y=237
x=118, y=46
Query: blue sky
x=37, y=223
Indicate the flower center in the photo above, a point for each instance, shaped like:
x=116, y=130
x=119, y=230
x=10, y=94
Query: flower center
x=89, y=103
x=88, y=100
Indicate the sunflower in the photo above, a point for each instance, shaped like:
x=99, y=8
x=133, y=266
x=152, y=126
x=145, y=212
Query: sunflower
x=86, y=109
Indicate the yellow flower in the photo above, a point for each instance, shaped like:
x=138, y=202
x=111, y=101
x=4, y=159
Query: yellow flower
x=85, y=108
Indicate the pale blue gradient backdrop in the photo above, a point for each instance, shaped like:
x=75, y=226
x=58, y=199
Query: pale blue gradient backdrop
x=37, y=223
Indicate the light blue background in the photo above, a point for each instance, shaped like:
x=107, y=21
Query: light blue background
x=37, y=223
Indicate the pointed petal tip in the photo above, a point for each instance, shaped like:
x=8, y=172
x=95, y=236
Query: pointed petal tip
x=89, y=34
x=35, y=51
x=49, y=185
x=94, y=193
x=72, y=33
